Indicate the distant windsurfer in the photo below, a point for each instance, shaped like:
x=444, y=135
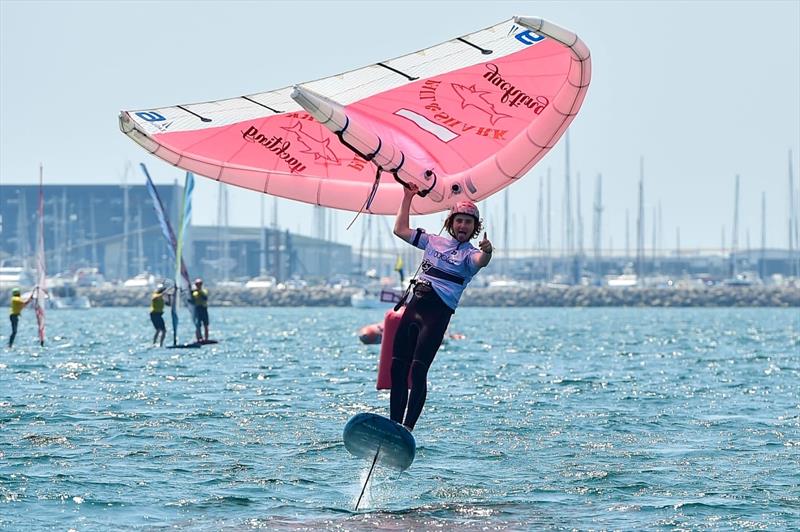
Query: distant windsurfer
x=200, y=299
x=17, y=304
x=157, y=314
x=448, y=265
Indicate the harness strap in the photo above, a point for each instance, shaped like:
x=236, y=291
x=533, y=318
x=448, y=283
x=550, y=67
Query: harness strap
x=433, y=271
x=417, y=236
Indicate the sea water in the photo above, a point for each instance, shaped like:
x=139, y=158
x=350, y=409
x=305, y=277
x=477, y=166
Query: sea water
x=539, y=419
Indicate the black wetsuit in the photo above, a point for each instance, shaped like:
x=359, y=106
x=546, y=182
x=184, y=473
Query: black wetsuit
x=418, y=337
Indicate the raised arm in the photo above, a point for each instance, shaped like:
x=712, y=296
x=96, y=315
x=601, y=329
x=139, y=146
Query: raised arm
x=31, y=296
x=483, y=258
x=401, y=224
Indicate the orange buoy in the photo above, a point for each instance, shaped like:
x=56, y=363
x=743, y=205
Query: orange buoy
x=371, y=334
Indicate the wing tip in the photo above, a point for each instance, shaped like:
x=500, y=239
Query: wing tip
x=556, y=32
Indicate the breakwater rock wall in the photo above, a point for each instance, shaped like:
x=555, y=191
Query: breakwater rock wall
x=536, y=296
x=592, y=296
x=228, y=297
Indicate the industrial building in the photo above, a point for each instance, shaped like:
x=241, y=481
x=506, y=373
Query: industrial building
x=114, y=228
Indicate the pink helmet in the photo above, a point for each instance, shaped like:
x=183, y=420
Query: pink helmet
x=466, y=207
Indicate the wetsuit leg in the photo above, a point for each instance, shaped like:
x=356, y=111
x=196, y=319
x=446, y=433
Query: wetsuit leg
x=14, y=324
x=405, y=341
x=197, y=324
x=201, y=318
x=428, y=343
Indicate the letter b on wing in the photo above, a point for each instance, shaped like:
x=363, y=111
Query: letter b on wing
x=150, y=116
x=528, y=37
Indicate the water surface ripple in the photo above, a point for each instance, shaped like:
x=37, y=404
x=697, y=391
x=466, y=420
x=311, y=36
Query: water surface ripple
x=540, y=419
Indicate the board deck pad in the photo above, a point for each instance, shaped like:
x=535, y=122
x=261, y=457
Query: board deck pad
x=367, y=434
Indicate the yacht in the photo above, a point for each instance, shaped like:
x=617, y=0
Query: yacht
x=14, y=276
x=622, y=281
x=262, y=281
x=143, y=280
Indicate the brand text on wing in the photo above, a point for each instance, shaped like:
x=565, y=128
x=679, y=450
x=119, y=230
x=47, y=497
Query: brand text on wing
x=276, y=145
x=512, y=96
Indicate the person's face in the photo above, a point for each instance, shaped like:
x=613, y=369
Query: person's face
x=463, y=226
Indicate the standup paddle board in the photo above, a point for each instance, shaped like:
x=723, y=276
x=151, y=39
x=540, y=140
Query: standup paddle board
x=193, y=345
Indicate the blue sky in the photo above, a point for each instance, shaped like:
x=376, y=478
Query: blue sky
x=702, y=90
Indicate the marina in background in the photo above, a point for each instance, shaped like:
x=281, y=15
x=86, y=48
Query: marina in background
x=103, y=243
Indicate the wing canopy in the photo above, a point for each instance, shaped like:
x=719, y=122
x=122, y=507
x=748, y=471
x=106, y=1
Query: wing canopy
x=464, y=118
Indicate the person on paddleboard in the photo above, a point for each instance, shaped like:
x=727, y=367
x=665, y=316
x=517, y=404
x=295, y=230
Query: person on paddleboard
x=157, y=314
x=200, y=299
x=448, y=265
x=17, y=304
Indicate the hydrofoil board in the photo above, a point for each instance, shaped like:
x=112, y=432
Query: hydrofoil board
x=380, y=440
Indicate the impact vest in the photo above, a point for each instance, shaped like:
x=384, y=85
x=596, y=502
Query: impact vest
x=200, y=297
x=17, y=304
x=157, y=303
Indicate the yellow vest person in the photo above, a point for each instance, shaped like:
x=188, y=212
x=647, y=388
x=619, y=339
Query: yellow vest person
x=157, y=314
x=200, y=299
x=17, y=304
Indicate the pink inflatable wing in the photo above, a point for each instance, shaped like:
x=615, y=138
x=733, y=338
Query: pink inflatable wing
x=464, y=118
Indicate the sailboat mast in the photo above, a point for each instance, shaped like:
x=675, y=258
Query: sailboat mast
x=318, y=228
x=627, y=235
x=41, y=275
x=640, y=224
x=62, y=231
x=794, y=238
x=139, y=240
x=23, y=245
x=225, y=243
x=540, y=220
x=379, y=242
x=364, y=233
x=549, y=230
x=568, y=201
x=125, y=227
x=660, y=229
x=735, y=234
x=578, y=213
x=796, y=220
x=93, y=225
x=262, y=255
x=505, y=232
x=654, y=243
x=761, y=269
x=597, y=232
